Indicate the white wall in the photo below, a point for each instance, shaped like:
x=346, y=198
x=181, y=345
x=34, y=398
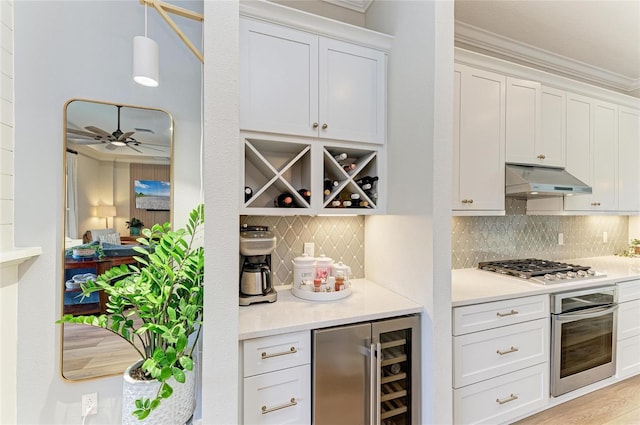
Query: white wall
x=409, y=250
x=82, y=49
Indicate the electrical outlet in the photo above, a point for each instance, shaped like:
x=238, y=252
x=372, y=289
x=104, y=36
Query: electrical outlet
x=605, y=237
x=560, y=238
x=309, y=248
x=89, y=404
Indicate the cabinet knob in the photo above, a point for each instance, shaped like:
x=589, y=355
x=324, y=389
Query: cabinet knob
x=324, y=126
x=467, y=201
x=315, y=125
x=541, y=156
x=595, y=204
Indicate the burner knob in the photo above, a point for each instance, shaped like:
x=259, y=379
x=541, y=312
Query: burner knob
x=561, y=275
x=571, y=275
x=549, y=277
x=582, y=273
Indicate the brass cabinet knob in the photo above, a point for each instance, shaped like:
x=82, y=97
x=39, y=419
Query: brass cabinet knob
x=541, y=156
x=467, y=201
x=324, y=126
x=315, y=125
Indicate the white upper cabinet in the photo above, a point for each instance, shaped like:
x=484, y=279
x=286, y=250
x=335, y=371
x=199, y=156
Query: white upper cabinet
x=478, y=142
x=628, y=159
x=523, y=122
x=592, y=150
x=535, y=124
x=352, y=92
x=278, y=79
x=298, y=83
x=553, y=120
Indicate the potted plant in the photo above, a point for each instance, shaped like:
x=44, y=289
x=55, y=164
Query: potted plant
x=156, y=306
x=635, y=243
x=134, y=225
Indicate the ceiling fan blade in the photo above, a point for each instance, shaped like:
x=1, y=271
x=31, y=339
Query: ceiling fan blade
x=82, y=133
x=126, y=135
x=83, y=141
x=99, y=131
x=111, y=147
x=137, y=150
x=150, y=148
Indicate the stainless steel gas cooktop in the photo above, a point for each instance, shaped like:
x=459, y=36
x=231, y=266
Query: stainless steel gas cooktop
x=540, y=271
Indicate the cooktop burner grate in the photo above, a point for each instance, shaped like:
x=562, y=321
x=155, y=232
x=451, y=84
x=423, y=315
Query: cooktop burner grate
x=530, y=267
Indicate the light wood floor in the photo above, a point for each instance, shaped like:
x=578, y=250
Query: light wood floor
x=89, y=352
x=618, y=404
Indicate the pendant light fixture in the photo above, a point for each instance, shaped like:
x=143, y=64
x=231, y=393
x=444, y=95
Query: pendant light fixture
x=145, y=58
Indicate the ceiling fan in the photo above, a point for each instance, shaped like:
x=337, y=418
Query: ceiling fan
x=113, y=140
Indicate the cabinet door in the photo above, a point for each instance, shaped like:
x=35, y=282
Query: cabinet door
x=605, y=157
x=579, y=124
x=523, y=122
x=278, y=79
x=352, y=92
x=553, y=117
x=282, y=397
x=479, y=141
x=628, y=160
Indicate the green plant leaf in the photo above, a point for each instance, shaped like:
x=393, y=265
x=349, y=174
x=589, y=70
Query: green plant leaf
x=179, y=375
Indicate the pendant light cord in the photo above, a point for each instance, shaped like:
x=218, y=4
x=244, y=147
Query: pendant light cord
x=145, y=19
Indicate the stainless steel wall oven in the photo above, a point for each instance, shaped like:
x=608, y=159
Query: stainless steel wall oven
x=583, y=337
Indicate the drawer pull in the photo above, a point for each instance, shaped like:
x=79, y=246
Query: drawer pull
x=511, y=350
x=507, y=400
x=292, y=350
x=511, y=313
x=293, y=402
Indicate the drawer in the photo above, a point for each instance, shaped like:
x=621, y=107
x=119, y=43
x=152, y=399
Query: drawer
x=281, y=397
x=487, y=354
x=479, y=317
x=502, y=399
x=628, y=319
x=276, y=352
x=628, y=357
x=628, y=291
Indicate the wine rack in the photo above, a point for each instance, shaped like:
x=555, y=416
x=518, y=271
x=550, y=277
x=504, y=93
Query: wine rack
x=358, y=164
x=394, y=381
x=272, y=168
x=287, y=165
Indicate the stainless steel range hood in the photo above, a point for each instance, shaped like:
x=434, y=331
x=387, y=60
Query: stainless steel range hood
x=531, y=182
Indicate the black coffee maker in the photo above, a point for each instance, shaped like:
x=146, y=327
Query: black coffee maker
x=256, y=245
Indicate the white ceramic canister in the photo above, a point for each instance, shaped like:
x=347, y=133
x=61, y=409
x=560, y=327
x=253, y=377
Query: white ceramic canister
x=340, y=267
x=323, y=267
x=304, y=271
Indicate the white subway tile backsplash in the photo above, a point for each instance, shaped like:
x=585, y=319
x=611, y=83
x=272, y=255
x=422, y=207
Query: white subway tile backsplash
x=340, y=238
x=6, y=161
x=6, y=211
x=6, y=186
x=475, y=239
x=6, y=137
x=6, y=87
x=6, y=237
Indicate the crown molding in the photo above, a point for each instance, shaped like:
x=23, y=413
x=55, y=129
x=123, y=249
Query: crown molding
x=474, y=37
x=357, y=5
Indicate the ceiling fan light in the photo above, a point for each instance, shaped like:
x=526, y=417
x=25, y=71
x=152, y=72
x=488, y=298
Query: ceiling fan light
x=119, y=143
x=145, y=61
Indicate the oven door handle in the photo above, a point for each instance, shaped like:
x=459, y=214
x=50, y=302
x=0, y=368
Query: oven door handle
x=586, y=314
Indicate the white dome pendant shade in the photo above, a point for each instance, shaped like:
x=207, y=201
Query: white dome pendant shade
x=145, y=61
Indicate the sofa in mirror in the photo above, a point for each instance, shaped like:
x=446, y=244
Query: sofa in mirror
x=117, y=174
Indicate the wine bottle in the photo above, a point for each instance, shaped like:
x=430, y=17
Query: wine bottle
x=284, y=200
x=306, y=194
x=329, y=185
x=340, y=157
x=248, y=193
x=367, y=182
x=336, y=203
x=349, y=167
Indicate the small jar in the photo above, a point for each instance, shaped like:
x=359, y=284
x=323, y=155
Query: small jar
x=317, y=284
x=323, y=267
x=339, y=281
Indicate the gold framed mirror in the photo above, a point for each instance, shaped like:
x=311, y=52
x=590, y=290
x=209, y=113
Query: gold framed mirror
x=117, y=168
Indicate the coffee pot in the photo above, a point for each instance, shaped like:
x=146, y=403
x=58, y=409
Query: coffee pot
x=256, y=245
x=256, y=280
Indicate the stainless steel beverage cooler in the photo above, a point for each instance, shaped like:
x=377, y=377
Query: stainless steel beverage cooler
x=367, y=373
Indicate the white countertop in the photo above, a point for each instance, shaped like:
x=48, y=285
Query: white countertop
x=367, y=301
x=472, y=286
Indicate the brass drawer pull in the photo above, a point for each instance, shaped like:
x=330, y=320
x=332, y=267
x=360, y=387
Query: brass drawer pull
x=266, y=410
x=511, y=313
x=511, y=350
x=507, y=400
x=292, y=350
x=541, y=156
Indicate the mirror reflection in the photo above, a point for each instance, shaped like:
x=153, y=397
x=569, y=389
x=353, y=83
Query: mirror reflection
x=118, y=180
